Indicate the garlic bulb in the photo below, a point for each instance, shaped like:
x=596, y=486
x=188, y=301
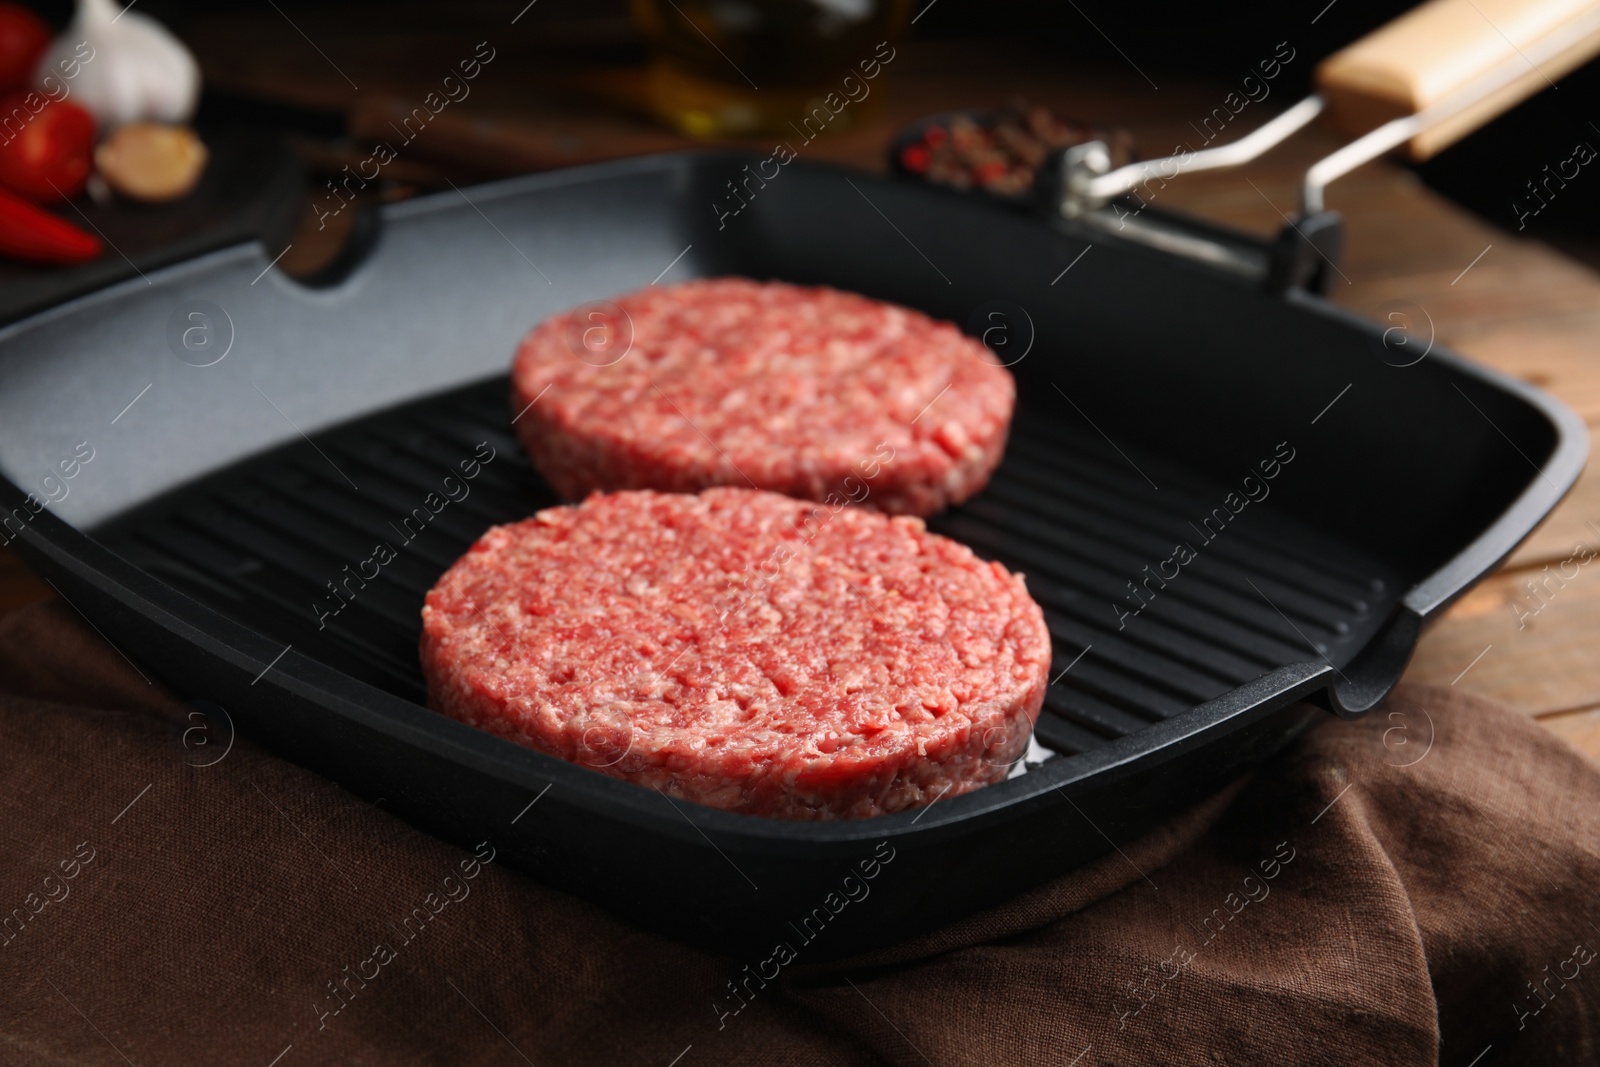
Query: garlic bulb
x=125, y=66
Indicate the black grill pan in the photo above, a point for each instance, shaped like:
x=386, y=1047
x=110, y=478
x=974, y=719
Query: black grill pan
x=221, y=501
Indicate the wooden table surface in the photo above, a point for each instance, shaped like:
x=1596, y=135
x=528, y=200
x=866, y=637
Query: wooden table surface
x=1510, y=303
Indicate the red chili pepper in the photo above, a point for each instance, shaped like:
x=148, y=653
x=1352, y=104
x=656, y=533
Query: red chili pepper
x=915, y=158
x=934, y=136
x=46, y=146
x=30, y=233
x=23, y=39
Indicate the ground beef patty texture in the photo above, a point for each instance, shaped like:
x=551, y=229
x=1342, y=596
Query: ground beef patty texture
x=743, y=650
x=798, y=390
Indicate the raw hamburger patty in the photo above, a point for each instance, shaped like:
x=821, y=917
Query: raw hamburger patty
x=765, y=385
x=744, y=650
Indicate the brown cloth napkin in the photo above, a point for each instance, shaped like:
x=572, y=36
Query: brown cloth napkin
x=1420, y=887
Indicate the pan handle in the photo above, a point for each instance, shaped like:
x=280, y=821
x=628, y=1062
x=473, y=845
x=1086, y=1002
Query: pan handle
x=1422, y=82
x=1435, y=51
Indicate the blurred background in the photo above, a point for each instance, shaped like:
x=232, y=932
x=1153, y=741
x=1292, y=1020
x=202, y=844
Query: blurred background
x=307, y=115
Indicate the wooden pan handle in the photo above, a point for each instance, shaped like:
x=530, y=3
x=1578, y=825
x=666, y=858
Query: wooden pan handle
x=1442, y=46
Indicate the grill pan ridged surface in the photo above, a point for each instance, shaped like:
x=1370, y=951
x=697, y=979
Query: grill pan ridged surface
x=259, y=542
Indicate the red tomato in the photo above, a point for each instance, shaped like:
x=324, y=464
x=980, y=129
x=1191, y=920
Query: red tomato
x=23, y=39
x=46, y=146
x=915, y=158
